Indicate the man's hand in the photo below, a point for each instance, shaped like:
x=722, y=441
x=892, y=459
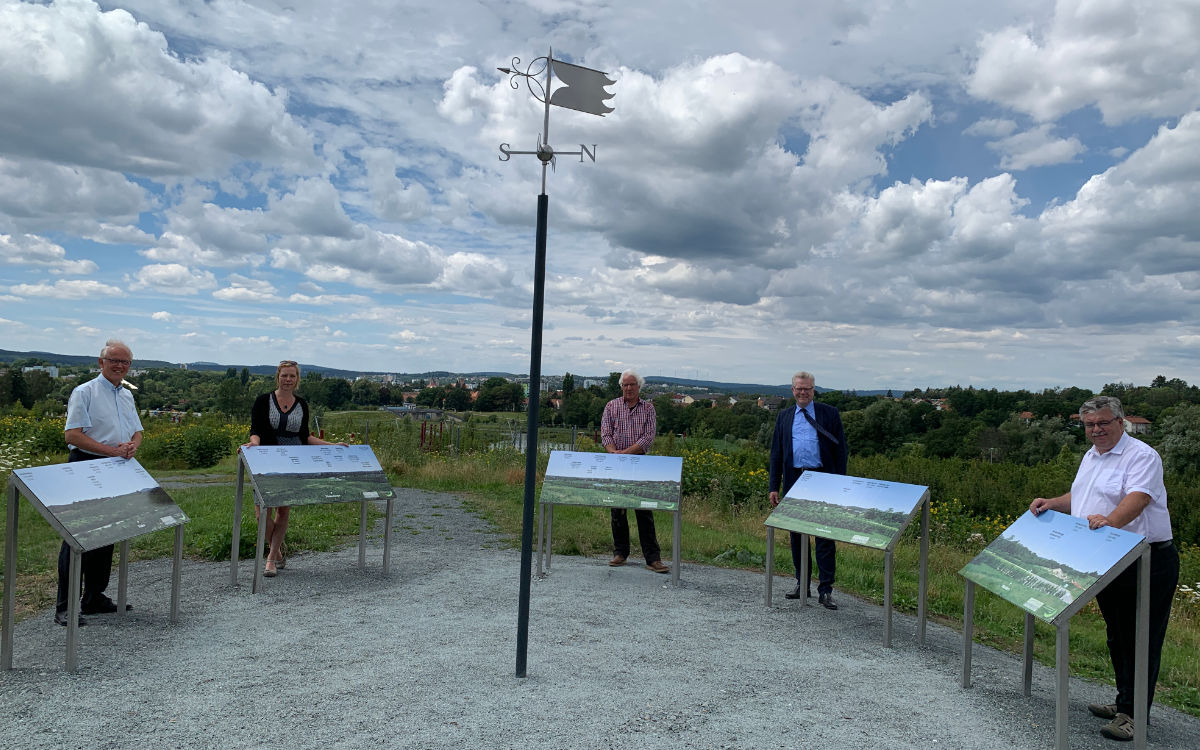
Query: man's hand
x=774, y=497
x=126, y=450
x=1062, y=504
x=1097, y=520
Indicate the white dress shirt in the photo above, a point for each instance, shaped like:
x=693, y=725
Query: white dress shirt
x=1104, y=479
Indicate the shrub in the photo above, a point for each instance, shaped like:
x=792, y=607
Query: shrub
x=47, y=435
x=204, y=445
x=190, y=445
x=720, y=479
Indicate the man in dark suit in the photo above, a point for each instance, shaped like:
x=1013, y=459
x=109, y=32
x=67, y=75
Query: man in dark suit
x=808, y=436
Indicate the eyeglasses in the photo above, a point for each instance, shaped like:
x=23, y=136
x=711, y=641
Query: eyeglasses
x=1102, y=423
x=802, y=390
x=123, y=362
x=288, y=363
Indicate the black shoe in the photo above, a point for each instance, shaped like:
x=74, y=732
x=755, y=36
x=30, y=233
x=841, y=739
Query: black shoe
x=60, y=618
x=795, y=593
x=101, y=605
x=826, y=601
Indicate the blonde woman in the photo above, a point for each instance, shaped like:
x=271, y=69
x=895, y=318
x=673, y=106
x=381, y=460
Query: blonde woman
x=280, y=417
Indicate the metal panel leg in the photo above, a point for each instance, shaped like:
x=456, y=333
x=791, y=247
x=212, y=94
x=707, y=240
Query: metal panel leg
x=235, y=537
x=73, y=609
x=176, y=572
x=123, y=579
x=362, y=535
x=549, y=538
x=1141, y=653
x=1062, y=658
x=923, y=574
x=968, y=632
x=10, y=580
x=805, y=563
x=387, y=537
x=770, y=561
x=676, y=543
x=888, y=572
x=1028, y=663
x=541, y=530
x=258, y=549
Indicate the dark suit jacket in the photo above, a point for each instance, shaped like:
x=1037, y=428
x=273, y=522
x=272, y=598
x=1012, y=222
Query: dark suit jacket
x=833, y=456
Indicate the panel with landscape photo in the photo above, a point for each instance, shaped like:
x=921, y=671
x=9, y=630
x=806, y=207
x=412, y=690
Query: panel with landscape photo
x=314, y=474
x=1045, y=563
x=612, y=480
x=101, y=502
x=867, y=512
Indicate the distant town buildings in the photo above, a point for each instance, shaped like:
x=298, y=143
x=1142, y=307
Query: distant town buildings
x=1137, y=425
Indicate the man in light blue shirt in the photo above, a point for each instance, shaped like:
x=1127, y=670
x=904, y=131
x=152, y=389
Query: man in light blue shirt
x=808, y=436
x=102, y=422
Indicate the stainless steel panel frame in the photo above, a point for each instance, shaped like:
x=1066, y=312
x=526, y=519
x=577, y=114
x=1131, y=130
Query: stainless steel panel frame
x=545, y=538
x=16, y=488
x=259, y=562
x=923, y=506
x=1140, y=556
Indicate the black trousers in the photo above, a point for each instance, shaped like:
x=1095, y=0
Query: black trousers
x=1118, y=604
x=95, y=566
x=646, y=534
x=824, y=554
x=824, y=551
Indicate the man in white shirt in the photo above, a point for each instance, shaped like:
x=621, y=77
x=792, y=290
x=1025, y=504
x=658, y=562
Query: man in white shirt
x=1120, y=484
x=102, y=422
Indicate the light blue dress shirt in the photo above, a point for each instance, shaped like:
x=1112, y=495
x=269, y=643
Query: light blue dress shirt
x=106, y=413
x=806, y=452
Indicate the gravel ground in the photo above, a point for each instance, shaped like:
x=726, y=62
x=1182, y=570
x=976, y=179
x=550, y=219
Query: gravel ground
x=331, y=656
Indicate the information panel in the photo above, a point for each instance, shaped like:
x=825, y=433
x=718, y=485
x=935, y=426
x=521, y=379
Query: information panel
x=1045, y=563
x=613, y=480
x=867, y=512
x=101, y=502
x=314, y=474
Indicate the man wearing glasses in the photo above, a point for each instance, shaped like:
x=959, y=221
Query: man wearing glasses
x=102, y=422
x=808, y=436
x=1120, y=484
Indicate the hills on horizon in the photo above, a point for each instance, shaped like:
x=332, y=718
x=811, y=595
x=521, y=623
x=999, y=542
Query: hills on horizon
x=76, y=360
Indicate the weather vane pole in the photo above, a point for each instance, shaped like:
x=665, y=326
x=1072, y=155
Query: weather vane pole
x=580, y=89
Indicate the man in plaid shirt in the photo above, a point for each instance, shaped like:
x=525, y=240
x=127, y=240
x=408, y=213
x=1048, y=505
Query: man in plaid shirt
x=628, y=426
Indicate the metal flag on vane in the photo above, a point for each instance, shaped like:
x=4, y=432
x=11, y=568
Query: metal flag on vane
x=584, y=89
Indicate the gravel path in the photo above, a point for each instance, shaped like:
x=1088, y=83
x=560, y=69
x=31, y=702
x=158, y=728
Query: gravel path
x=331, y=656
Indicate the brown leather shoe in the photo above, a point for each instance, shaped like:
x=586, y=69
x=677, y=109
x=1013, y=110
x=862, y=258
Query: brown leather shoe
x=658, y=567
x=617, y=561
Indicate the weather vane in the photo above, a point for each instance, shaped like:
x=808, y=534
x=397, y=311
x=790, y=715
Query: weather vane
x=580, y=89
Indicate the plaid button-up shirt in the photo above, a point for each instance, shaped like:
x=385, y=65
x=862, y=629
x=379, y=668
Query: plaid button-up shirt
x=622, y=426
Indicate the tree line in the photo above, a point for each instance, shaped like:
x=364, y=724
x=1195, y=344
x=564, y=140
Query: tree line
x=1024, y=427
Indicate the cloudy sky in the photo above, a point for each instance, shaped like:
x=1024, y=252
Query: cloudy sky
x=890, y=193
